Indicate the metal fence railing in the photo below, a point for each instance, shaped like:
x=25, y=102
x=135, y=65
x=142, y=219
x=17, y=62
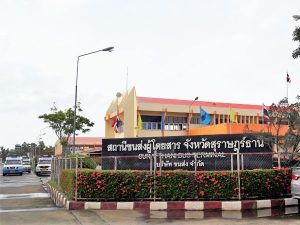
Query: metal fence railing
x=195, y=162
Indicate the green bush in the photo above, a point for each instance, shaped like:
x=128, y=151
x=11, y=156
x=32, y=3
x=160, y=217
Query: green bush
x=174, y=185
x=83, y=161
x=89, y=163
x=67, y=182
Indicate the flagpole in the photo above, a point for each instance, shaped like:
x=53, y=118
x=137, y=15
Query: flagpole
x=262, y=117
x=118, y=95
x=230, y=126
x=287, y=91
x=200, y=116
x=163, y=116
x=288, y=80
x=189, y=115
x=138, y=125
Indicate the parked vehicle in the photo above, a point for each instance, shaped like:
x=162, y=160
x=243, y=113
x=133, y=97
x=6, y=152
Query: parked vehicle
x=295, y=184
x=26, y=164
x=43, y=166
x=13, y=165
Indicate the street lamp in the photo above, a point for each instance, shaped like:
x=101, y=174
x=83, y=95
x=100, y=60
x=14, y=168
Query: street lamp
x=189, y=116
x=196, y=98
x=109, y=49
x=38, y=144
x=37, y=140
x=296, y=17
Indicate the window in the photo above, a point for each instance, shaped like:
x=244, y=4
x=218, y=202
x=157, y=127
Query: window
x=175, y=123
x=151, y=122
x=151, y=118
x=195, y=120
x=171, y=122
x=151, y=126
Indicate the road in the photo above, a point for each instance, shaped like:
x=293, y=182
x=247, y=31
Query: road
x=23, y=200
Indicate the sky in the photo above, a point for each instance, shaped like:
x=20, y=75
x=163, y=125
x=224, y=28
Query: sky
x=221, y=51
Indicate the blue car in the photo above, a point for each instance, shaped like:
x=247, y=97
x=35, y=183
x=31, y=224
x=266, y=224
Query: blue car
x=13, y=165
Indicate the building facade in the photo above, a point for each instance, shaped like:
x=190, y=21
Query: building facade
x=82, y=145
x=158, y=117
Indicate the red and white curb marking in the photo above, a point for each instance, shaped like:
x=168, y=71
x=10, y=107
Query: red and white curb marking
x=207, y=207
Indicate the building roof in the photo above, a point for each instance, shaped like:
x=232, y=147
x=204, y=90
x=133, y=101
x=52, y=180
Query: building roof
x=86, y=140
x=197, y=103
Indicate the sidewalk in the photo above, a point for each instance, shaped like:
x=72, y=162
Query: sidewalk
x=60, y=200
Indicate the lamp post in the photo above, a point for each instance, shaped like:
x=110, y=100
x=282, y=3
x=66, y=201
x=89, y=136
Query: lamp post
x=189, y=116
x=37, y=142
x=109, y=49
x=39, y=139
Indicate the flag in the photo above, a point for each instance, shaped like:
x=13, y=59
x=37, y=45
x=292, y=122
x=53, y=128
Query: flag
x=140, y=123
x=233, y=118
x=288, y=79
x=117, y=123
x=204, y=117
x=162, y=122
x=266, y=117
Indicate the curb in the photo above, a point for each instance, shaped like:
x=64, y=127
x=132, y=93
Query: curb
x=218, y=206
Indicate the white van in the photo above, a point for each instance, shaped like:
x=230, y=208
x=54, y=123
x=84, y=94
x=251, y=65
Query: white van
x=26, y=164
x=43, y=166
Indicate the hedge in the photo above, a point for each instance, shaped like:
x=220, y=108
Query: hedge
x=175, y=185
x=89, y=163
x=67, y=183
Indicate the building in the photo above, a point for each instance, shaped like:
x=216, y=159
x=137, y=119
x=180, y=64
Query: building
x=172, y=117
x=88, y=145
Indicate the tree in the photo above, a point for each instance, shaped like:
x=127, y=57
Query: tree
x=62, y=123
x=296, y=37
x=279, y=115
x=287, y=114
x=292, y=137
x=3, y=153
x=42, y=149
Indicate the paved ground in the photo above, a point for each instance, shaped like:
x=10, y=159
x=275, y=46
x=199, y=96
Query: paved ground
x=127, y=217
x=23, y=201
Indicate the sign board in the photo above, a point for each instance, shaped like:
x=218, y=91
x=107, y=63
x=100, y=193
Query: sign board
x=207, y=152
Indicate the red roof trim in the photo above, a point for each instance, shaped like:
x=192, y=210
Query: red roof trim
x=86, y=139
x=197, y=103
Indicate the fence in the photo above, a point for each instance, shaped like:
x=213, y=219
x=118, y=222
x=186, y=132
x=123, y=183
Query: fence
x=234, y=162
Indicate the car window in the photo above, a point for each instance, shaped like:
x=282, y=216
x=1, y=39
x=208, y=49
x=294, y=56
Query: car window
x=44, y=161
x=11, y=162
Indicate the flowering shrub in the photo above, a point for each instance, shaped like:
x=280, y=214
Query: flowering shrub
x=114, y=185
x=175, y=185
x=265, y=183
